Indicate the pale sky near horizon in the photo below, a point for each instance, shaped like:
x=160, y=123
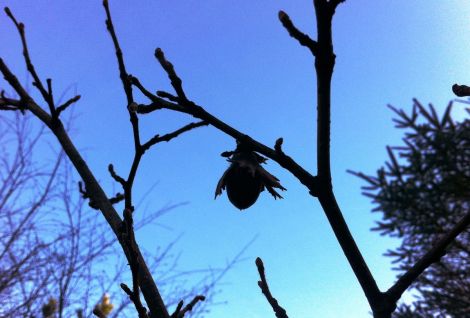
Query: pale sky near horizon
x=237, y=61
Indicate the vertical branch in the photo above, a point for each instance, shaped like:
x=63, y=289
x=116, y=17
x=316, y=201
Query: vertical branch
x=322, y=49
x=93, y=188
x=127, y=85
x=263, y=285
x=324, y=65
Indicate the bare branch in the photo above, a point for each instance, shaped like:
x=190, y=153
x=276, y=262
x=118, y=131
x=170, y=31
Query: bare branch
x=29, y=65
x=25, y=100
x=141, y=310
x=122, y=68
x=278, y=145
x=263, y=285
x=180, y=312
x=10, y=104
x=177, y=310
x=432, y=256
x=167, y=137
x=461, y=90
x=170, y=70
x=168, y=96
x=116, y=176
x=98, y=313
x=303, y=38
x=65, y=105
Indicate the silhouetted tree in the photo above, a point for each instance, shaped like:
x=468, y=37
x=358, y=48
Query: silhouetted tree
x=421, y=192
x=246, y=160
x=55, y=252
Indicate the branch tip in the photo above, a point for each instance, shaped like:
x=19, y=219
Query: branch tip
x=278, y=144
x=259, y=263
x=282, y=15
x=461, y=90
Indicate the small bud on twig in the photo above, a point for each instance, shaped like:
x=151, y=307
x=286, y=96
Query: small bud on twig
x=133, y=107
x=278, y=144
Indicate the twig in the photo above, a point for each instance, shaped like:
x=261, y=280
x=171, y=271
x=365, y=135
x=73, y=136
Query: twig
x=98, y=313
x=115, y=176
x=199, y=112
x=278, y=145
x=170, y=70
x=263, y=285
x=141, y=310
x=117, y=198
x=303, y=38
x=177, y=310
x=65, y=105
x=180, y=312
x=432, y=256
x=168, y=96
x=93, y=188
x=129, y=240
x=167, y=137
x=10, y=104
x=461, y=90
x=122, y=68
x=29, y=65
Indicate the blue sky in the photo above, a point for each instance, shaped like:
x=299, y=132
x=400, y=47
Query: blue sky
x=237, y=61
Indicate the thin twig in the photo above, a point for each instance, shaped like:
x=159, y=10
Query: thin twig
x=199, y=112
x=177, y=310
x=278, y=145
x=115, y=176
x=432, y=256
x=93, y=188
x=263, y=285
x=461, y=90
x=180, y=312
x=170, y=70
x=65, y=105
x=141, y=310
x=29, y=65
x=167, y=137
x=98, y=313
x=303, y=38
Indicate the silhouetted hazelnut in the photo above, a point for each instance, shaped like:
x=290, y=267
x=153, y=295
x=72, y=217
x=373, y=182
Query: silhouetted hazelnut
x=245, y=178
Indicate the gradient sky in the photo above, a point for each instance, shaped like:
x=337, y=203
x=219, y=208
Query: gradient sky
x=237, y=61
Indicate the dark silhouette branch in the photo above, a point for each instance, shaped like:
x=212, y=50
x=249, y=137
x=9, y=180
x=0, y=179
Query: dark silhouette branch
x=98, y=313
x=325, y=59
x=180, y=311
x=303, y=38
x=29, y=65
x=324, y=65
x=115, y=176
x=432, y=256
x=382, y=304
x=461, y=90
x=129, y=239
x=92, y=186
x=263, y=285
x=174, y=79
x=137, y=303
x=68, y=103
x=167, y=137
x=10, y=104
x=197, y=111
